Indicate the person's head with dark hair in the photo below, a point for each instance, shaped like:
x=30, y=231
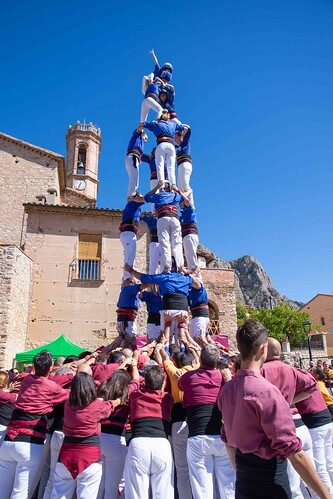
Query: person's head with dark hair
x=209, y=356
x=71, y=358
x=252, y=338
x=174, y=350
x=154, y=377
x=42, y=363
x=116, y=386
x=116, y=357
x=101, y=358
x=319, y=374
x=83, y=390
x=175, y=354
x=84, y=354
x=185, y=359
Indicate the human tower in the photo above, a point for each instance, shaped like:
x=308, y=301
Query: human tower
x=172, y=224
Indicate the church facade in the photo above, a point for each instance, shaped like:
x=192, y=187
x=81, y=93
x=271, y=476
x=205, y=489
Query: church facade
x=60, y=256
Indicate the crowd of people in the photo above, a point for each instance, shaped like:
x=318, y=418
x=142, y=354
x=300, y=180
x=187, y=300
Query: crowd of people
x=149, y=422
x=181, y=416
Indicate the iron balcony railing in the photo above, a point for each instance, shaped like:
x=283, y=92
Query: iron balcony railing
x=88, y=270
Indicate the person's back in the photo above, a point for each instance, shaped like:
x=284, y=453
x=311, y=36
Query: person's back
x=257, y=425
x=292, y=382
x=206, y=452
x=22, y=448
x=149, y=458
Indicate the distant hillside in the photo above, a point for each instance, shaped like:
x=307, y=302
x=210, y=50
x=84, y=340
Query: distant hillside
x=254, y=287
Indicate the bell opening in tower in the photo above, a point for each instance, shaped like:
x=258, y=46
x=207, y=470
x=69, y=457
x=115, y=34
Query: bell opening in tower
x=81, y=160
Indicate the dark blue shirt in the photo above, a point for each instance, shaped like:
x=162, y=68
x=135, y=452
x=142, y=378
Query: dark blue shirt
x=197, y=296
x=170, y=282
x=152, y=300
x=128, y=297
x=162, y=198
x=184, y=147
x=136, y=142
x=153, y=88
x=188, y=215
x=150, y=159
x=163, y=128
x=132, y=211
x=150, y=221
x=169, y=103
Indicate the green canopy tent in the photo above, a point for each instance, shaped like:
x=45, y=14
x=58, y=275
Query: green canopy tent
x=58, y=348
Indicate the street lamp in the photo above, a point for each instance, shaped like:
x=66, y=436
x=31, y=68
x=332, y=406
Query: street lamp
x=306, y=325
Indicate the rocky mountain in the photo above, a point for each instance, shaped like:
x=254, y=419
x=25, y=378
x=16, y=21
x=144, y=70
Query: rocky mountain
x=254, y=287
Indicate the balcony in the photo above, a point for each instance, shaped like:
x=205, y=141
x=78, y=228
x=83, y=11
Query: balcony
x=85, y=273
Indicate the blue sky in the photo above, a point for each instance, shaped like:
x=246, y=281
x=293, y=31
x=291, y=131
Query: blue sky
x=254, y=80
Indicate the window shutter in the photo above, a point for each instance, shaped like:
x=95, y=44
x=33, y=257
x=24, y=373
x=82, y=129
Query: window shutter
x=90, y=246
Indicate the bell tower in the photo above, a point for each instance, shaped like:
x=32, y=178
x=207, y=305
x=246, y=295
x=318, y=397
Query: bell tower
x=83, y=144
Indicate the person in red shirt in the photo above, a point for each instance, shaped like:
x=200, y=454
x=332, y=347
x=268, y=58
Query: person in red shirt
x=114, y=428
x=317, y=418
x=295, y=385
x=21, y=451
x=7, y=400
x=79, y=467
x=258, y=428
x=208, y=461
x=149, y=465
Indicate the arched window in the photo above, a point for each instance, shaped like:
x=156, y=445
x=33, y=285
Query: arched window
x=81, y=159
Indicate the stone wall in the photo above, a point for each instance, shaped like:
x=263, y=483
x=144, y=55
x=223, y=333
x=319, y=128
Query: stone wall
x=83, y=310
x=220, y=285
x=24, y=174
x=15, y=276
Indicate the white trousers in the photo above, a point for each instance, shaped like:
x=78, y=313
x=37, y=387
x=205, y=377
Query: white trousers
x=153, y=331
x=132, y=164
x=190, y=245
x=208, y=460
x=128, y=240
x=323, y=453
x=179, y=436
x=154, y=258
x=149, y=466
x=44, y=468
x=198, y=325
x=55, y=446
x=165, y=156
x=114, y=452
x=3, y=430
x=170, y=240
x=19, y=465
x=86, y=483
x=130, y=329
x=147, y=104
x=146, y=80
x=184, y=177
x=298, y=488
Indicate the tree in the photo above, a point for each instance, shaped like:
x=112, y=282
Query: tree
x=282, y=322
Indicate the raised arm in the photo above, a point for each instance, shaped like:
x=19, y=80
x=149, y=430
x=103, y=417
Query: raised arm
x=152, y=53
x=158, y=186
x=134, y=362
